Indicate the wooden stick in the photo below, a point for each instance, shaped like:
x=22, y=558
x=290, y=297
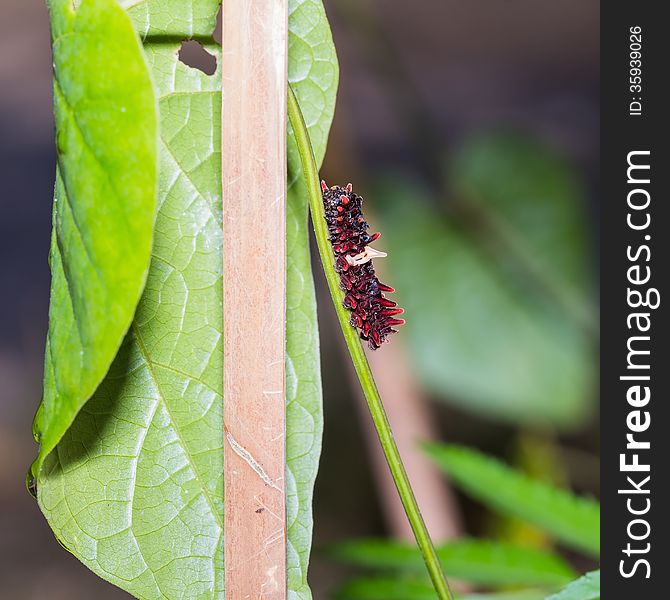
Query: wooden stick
x=254, y=209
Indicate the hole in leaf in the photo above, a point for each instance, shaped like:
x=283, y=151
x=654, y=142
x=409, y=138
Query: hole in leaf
x=194, y=55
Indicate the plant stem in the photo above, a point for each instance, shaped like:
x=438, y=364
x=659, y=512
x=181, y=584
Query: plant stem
x=357, y=353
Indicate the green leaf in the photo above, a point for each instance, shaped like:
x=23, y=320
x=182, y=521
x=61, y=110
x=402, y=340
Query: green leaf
x=534, y=204
x=573, y=520
x=104, y=207
x=389, y=588
x=481, y=336
x=519, y=595
x=586, y=587
x=135, y=488
x=386, y=588
x=191, y=19
x=477, y=561
x=313, y=74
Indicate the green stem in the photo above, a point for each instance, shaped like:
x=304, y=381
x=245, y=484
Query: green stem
x=358, y=357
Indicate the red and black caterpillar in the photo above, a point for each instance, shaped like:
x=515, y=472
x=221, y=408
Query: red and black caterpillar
x=371, y=313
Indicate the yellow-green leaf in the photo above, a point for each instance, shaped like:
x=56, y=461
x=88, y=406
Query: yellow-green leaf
x=104, y=205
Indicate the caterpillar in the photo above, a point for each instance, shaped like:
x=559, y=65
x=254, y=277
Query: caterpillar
x=371, y=313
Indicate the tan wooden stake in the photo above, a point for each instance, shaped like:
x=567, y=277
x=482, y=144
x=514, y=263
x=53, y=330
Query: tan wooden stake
x=254, y=260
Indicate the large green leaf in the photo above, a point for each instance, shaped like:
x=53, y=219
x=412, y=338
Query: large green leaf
x=571, y=519
x=135, y=488
x=104, y=207
x=586, y=587
x=477, y=561
x=483, y=333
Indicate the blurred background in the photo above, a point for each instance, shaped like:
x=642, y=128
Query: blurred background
x=472, y=131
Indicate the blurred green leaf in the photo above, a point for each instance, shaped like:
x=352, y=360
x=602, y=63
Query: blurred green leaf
x=386, y=588
x=586, y=587
x=532, y=202
x=519, y=595
x=135, y=487
x=538, y=456
x=389, y=588
x=572, y=520
x=476, y=561
x=479, y=336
